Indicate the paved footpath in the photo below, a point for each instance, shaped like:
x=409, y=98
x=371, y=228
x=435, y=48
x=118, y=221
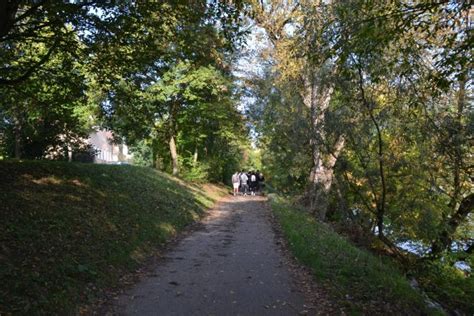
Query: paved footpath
x=232, y=266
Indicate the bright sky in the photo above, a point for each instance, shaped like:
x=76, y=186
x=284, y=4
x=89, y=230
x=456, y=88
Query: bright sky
x=249, y=65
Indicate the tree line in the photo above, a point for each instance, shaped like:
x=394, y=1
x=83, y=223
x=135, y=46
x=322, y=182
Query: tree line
x=158, y=74
x=365, y=110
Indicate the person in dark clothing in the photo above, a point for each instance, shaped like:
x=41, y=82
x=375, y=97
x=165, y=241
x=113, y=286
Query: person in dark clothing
x=253, y=183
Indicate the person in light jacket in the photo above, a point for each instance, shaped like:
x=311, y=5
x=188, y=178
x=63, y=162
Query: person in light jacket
x=236, y=182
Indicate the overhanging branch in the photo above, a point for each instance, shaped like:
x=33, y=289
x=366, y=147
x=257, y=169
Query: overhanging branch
x=32, y=69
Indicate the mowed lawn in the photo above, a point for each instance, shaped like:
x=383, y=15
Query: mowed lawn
x=68, y=229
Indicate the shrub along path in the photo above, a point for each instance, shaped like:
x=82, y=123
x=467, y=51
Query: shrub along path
x=233, y=265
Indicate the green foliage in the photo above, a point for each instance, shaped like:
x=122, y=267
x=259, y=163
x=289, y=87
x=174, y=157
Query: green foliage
x=70, y=66
x=142, y=154
x=194, y=104
x=281, y=121
x=360, y=281
x=447, y=284
x=253, y=159
x=406, y=122
x=48, y=112
x=195, y=171
x=420, y=120
x=69, y=228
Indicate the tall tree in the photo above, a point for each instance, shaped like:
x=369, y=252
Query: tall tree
x=295, y=54
x=177, y=96
x=391, y=56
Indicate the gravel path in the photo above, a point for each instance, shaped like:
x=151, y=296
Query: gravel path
x=232, y=266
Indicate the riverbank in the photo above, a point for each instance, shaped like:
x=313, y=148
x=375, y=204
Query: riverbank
x=360, y=281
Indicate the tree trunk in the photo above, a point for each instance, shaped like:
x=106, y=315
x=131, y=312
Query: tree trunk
x=69, y=153
x=195, y=156
x=18, y=146
x=172, y=141
x=445, y=236
x=380, y=203
x=317, y=96
x=461, y=99
x=465, y=207
x=17, y=129
x=174, y=156
x=8, y=10
x=321, y=178
x=317, y=92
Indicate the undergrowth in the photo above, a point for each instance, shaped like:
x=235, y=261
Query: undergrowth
x=448, y=285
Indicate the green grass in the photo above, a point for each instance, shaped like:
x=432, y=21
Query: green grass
x=67, y=229
x=361, y=282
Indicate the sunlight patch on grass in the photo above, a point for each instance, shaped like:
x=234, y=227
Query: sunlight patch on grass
x=72, y=198
x=30, y=178
x=78, y=183
x=194, y=215
x=48, y=180
x=139, y=254
x=167, y=229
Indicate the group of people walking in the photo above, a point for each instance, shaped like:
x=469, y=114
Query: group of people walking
x=248, y=183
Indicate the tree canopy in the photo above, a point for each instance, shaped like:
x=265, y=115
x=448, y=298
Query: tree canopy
x=143, y=70
x=367, y=108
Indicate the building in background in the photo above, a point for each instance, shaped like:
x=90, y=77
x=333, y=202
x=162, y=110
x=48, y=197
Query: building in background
x=108, y=151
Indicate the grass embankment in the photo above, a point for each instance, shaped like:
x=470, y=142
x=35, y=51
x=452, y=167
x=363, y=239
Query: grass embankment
x=361, y=282
x=67, y=229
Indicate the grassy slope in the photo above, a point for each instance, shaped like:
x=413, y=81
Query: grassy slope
x=361, y=282
x=68, y=228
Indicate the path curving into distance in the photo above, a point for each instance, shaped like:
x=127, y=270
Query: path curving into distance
x=231, y=266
